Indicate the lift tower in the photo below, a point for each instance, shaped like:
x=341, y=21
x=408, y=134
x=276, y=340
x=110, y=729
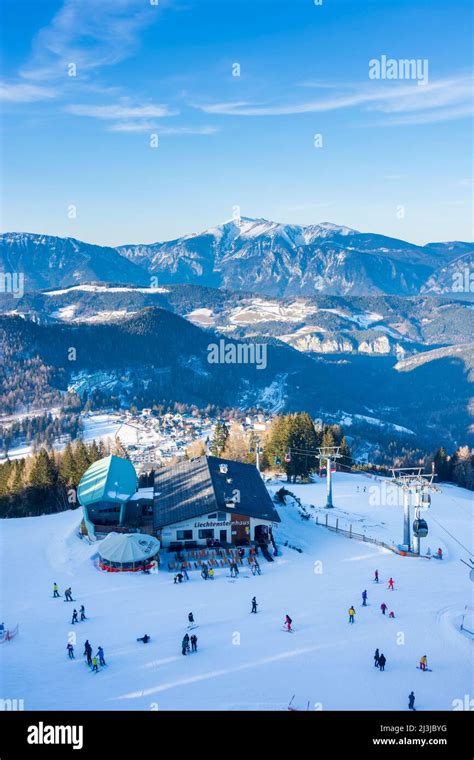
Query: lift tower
x=411, y=480
x=330, y=454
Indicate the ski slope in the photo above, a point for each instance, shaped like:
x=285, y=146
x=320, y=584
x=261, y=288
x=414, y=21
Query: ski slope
x=244, y=661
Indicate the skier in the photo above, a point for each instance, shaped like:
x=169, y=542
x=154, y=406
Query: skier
x=411, y=701
x=194, y=643
x=364, y=598
x=254, y=605
x=68, y=595
x=55, y=590
x=74, y=617
x=191, y=619
x=236, y=569
x=257, y=566
x=211, y=573
x=440, y=553
x=145, y=638
x=70, y=651
x=391, y=614
x=82, y=610
x=423, y=662
x=88, y=652
x=95, y=665
x=382, y=661
x=390, y=583
x=376, y=658
x=185, y=572
x=288, y=622
x=204, y=572
x=185, y=644
x=376, y=576
x=352, y=612
x=100, y=655
x=383, y=607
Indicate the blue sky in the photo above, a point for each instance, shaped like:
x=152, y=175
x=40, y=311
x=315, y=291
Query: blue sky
x=395, y=155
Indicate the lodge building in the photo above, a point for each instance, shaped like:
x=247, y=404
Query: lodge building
x=210, y=500
x=199, y=502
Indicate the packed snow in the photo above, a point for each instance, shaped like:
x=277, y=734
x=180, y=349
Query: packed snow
x=247, y=661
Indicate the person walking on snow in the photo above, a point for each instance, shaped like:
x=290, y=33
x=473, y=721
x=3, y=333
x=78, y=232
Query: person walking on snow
x=211, y=573
x=191, y=618
x=185, y=644
x=88, y=652
x=288, y=622
x=194, y=643
x=390, y=584
x=376, y=658
x=74, y=617
x=70, y=651
x=376, y=576
x=352, y=612
x=95, y=665
x=100, y=655
x=423, y=662
x=364, y=598
x=82, y=610
x=254, y=605
x=55, y=590
x=383, y=607
x=411, y=701
x=382, y=661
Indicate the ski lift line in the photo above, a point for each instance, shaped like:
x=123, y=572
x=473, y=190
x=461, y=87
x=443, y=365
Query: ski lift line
x=451, y=535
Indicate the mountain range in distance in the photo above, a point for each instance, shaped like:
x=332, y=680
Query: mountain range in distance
x=273, y=259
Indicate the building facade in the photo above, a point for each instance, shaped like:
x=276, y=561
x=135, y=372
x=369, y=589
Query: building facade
x=209, y=501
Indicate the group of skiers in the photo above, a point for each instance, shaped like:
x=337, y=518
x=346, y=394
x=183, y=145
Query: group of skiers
x=93, y=661
x=75, y=618
x=379, y=660
x=207, y=572
x=187, y=640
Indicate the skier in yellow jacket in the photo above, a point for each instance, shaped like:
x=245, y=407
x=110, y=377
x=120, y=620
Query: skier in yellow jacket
x=352, y=613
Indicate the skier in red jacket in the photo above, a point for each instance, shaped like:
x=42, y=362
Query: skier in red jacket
x=390, y=583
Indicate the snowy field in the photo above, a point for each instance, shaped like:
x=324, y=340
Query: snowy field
x=246, y=661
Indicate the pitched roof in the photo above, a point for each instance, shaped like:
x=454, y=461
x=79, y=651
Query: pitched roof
x=109, y=479
x=193, y=488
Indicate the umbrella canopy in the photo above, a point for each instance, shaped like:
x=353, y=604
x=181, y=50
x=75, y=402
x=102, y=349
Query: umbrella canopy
x=122, y=548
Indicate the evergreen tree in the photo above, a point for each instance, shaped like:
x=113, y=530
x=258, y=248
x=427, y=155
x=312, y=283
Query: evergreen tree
x=219, y=439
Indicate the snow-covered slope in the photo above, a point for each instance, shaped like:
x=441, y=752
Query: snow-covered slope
x=246, y=661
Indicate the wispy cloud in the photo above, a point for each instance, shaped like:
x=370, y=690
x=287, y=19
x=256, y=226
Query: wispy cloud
x=448, y=98
x=120, y=111
x=145, y=126
x=89, y=34
x=22, y=92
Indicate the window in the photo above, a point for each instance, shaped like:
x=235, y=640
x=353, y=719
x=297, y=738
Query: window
x=221, y=516
x=211, y=517
x=206, y=533
x=184, y=535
